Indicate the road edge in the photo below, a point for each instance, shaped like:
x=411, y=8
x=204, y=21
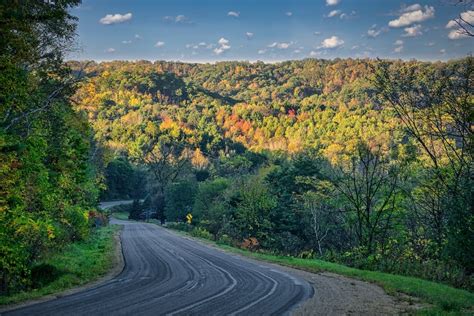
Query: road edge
x=406, y=304
x=117, y=268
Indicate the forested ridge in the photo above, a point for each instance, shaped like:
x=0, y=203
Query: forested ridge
x=368, y=163
x=363, y=162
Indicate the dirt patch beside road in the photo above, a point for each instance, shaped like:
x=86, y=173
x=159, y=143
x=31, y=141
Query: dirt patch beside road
x=338, y=295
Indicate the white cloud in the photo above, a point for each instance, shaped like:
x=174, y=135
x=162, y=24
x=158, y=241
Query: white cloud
x=466, y=17
x=115, y=18
x=411, y=17
x=288, y=13
x=218, y=50
x=180, y=18
x=412, y=7
x=281, y=45
x=200, y=45
x=332, y=2
x=233, y=13
x=413, y=31
x=297, y=51
x=314, y=53
x=223, y=41
x=466, y=20
x=262, y=51
x=456, y=34
x=399, y=43
x=127, y=42
x=317, y=33
x=249, y=35
x=431, y=44
x=332, y=42
x=177, y=19
x=137, y=36
x=223, y=45
x=373, y=32
x=451, y=24
x=110, y=50
x=159, y=44
x=442, y=51
x=333, y=13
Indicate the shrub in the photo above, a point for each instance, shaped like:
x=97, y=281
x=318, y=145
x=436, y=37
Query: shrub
x=251, y=244
x=98, y=219
x=201, y=233
x=226, y=240
x=179, y=199
x=179, y=226
x=77, y=223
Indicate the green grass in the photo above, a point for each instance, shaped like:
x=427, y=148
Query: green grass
x=120, y=215
x=77, y=264
x=445, y=300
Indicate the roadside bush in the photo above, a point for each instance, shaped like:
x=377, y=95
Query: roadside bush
x=77, y=223
x=135, y=210
x=225, y=240
x=43, y=274
x=98, y=219
x=287, y=243
x=307, y=254
x=430, y=269
x=201, y=233
x=435, y=270
x=179, y=226
x=251, y=244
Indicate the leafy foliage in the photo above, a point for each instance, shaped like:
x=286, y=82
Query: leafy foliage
x=47, y=175
x=309, y=158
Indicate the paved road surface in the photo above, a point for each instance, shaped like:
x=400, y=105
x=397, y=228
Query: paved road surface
x=168, y=274
x=105, y=205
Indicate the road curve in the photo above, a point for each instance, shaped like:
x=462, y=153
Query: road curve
x=168, y=274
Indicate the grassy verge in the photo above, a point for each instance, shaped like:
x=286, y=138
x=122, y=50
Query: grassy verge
x=120, y=215
x=445, y=300
x=77, y=264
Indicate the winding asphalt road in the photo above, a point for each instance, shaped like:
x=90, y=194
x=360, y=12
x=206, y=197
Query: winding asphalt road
x=169, y=274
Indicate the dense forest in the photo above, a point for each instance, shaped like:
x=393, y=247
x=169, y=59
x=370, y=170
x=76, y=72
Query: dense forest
x=49, y=165
x=363, y=162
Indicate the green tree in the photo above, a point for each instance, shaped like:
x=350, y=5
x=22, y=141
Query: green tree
x=179, y=198
x=252, y=214
x=48, y=183
x=369, y=187
x=436, y=107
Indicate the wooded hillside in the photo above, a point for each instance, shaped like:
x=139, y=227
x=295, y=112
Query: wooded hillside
x=364, y=162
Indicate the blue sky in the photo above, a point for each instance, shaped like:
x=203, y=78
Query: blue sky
x=269, y=30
